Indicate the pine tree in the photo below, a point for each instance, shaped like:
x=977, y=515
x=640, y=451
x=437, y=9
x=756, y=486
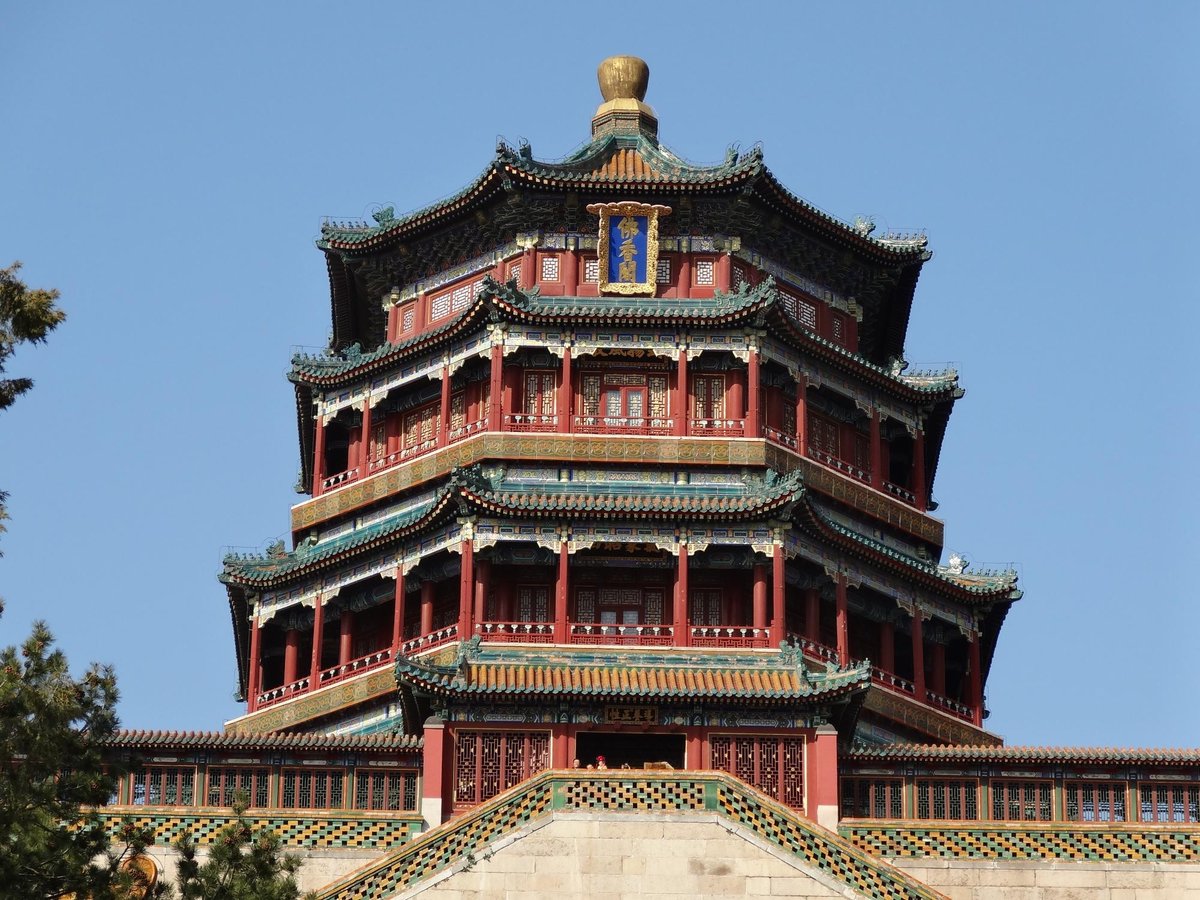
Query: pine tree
x=242, y=864
x=53, y=775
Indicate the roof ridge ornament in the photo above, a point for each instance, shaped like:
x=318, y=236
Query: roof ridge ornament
x=623, y=82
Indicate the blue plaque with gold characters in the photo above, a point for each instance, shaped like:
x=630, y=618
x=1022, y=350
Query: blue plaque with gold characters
x=628, y=248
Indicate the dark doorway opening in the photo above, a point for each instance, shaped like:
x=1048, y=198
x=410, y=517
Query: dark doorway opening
x=632, y=750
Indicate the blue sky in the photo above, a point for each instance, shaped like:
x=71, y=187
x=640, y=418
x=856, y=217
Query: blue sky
x=167, y=167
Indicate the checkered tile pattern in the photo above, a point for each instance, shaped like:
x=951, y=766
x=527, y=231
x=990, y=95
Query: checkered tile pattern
x=632, y=795
x=844, y=862
x=294, y=831
x=473, y=833
x=1016, y=841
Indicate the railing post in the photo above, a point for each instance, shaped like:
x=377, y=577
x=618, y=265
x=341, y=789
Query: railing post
x=253, y=673
x=683, y=635
x=432, y=764
x=975, y=685
x=318, y=453
x=843, y=622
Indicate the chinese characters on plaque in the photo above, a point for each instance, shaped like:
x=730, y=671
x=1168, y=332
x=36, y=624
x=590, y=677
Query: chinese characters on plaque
x=628, y=246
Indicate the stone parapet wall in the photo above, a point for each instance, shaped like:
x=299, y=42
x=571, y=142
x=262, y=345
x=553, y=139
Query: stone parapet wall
x=1012, y=879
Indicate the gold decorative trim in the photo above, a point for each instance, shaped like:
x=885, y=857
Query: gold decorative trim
x=652, y=212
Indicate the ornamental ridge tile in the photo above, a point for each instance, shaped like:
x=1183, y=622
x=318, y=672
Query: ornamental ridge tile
x=1031, y=754
x=224, y=740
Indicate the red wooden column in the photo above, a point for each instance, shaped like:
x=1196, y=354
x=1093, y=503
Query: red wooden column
x=318, y=454
x=685, y=275
x=443, y=437
x=254, y=673
x=528, y=261
x=505, y=598
x=570, y=273
x=920, y=491
x=759, y=596
x=318, y=638
x=843, y=622
x=778, y=587
x=802, y=414
x=680, y=406
x=561, y=594
x=975, y=684
x=466, y=590
x=939, y=669
x=812, y=615
x=483, y=582
x=679, y=619
x=724, y=266
x=495, y=388
x=291, y=655
x=752, y=391
x=433, y=759
x=918, y=655
x=427, y=592
x=365, y=441
x=887, y=647
x=398, y=614
x=565, y=393
x=345, y=637
x=821, y=775
x=876, y=450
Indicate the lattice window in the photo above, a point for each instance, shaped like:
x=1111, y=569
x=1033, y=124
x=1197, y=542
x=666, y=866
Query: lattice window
x=653, y=601
x=461, y=297
x=533, y=603
x=947, y=798
x=311, y=789
x=862, y=452
x=408, y=318
x=393, y=791
x=1022, y=801
x=789, y=418
x=773, y=764
x=420, y=427
x=164, y=786
x=539, y=393
x=704, y=606
x=839, y=330
x=624, y=379
x=662, y=272
x=225, y=781
x=378, y=440
x=1096, y=802
x=1166, y=802
x=591, y=395
x=710, y=396
x=487, y=762
x=439, y=306
x=806, y=314
x=706, y=272
x=738, y=277
x=458, y=411
x=514, y=272
x=824, y=435
x=585, y=605
x=872, y=798
x=591, y=271
x=549, y=268
x=658, y=397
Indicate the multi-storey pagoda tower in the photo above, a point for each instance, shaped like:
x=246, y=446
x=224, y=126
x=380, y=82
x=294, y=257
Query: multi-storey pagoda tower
x=618, y=457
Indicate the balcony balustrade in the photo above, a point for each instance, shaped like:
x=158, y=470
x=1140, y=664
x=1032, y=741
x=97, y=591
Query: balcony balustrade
x=462, y=432
x=340, y=672
x=435, y=638
x=622, y=425
x=517, y=632
x=900, y=492
x=339, y=479
x=718, y=427
x=842, y=466
x=780, y=437
x=525, y=422
x=729, y=636
x=622, y=635
x=892, y=681
x=283, y=692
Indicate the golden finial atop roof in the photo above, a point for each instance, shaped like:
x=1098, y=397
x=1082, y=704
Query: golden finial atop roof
x=623, y=81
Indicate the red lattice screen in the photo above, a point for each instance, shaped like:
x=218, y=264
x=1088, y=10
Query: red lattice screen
x=772, y=763
x=488, y=762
